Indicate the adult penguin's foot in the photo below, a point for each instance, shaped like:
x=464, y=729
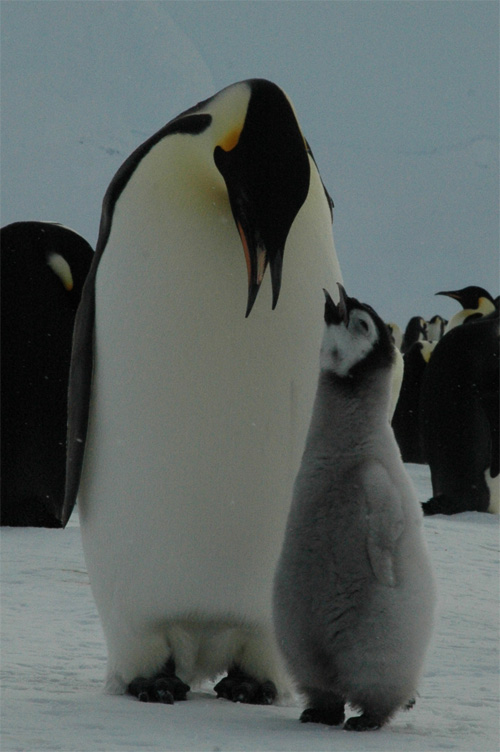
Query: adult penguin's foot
x=164, y=687
x=238, y=686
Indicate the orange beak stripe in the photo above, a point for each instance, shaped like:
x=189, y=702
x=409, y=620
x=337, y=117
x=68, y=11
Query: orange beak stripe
x=229, y=142
x=246, y=251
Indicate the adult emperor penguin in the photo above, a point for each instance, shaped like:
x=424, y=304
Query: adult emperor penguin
x=200, y=394
x=405, y=420
x=354, y=590
x=436, y=327
x=475, y=302
x=416, y=331
x=460, y=419
x=44, y=266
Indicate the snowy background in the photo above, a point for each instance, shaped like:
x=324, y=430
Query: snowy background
x=399, y=101
x=53, y=662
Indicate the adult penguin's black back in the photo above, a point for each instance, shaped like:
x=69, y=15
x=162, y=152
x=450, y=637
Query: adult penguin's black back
x=460, y=419
x=44, y=266
x=405, y=421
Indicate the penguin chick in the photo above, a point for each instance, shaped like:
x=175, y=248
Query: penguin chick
x=354, y=591
x=475, y=302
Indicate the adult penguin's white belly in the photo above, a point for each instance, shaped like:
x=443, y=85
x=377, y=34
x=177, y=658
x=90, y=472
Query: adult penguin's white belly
x=198, y=414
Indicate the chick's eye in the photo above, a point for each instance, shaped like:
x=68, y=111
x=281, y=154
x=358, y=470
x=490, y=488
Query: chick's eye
x=363, y=324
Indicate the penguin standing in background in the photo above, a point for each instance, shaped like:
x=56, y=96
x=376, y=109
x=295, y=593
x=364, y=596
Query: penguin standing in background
x=436, y=328
x=460, y=419
x=398, y=366
x=475, y=302
x=416, y=331
x=44, y=266
x=405, y=421
x=190, y=396
x=354, y=592
x=396, y=334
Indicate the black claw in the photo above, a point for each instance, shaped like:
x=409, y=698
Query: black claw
x=268, y=693
x=243, y=692
x=164, y=688
x=330, y=716
x=361, y=723
x=238, y=686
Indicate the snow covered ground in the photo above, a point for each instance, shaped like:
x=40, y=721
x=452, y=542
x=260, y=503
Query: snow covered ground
x=53, y=661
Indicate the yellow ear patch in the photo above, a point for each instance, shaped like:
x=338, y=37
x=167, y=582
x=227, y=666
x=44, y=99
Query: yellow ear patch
x=61, y=268
x=230, y=139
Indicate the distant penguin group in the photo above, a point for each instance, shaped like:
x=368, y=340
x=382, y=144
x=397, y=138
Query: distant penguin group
x=447, y=412
x=416, y=345
x=460, y=419
x=44, y=266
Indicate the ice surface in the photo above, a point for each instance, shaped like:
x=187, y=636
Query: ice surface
x=53, y=661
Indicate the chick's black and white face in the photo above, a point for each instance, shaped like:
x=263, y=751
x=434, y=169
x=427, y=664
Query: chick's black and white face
x=345, y=346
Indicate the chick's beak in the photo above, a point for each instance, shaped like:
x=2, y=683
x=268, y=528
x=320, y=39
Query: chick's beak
x=342, y=305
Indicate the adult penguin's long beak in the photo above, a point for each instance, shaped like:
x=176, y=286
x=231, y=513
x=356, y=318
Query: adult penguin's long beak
x=266, y=169
x=450, y=293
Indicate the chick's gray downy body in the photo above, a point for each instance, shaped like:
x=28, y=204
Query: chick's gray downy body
x=354, y=591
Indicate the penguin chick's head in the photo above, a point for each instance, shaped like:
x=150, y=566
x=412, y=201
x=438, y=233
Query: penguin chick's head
x=356, y=340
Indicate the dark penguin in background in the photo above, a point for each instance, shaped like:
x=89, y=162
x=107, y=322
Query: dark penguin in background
x=406, y=418
x=193, y=378
x=416, y=330
x=354, y=591
x=44, y=266
x=460, y=419
x=475, y=301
